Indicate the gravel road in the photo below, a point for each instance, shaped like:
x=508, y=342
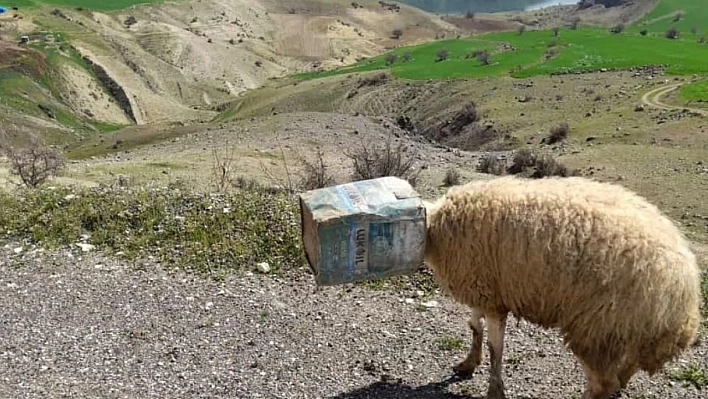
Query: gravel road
x=88, y=326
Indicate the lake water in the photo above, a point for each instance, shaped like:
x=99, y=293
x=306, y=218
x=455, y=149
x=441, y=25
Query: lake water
x=462, y=6
x=550, y=3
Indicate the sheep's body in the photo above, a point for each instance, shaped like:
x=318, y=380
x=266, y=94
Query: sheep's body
x=591, y=259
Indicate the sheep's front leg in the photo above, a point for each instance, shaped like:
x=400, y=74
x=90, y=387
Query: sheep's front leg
x=496, y=326
x=474, y=357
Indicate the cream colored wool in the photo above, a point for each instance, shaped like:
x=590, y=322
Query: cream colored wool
x=593, y=259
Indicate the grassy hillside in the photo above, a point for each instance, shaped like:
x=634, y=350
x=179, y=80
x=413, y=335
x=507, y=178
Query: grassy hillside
x=104, y=5
x=573, y=50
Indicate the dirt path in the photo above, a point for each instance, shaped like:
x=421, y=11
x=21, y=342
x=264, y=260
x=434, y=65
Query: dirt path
x=82, y=325
x=652, y=99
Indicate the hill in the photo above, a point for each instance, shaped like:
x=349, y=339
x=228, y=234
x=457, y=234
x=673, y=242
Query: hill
x=123, y=63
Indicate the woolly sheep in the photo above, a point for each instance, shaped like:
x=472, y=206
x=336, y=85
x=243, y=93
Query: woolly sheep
x=592, y=259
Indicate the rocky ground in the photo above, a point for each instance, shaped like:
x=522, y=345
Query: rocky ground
x=82, y=325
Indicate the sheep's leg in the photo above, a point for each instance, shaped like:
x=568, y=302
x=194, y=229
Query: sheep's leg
x=497, y=326
x=474, y=357
x=626, y=373
x=600, y=384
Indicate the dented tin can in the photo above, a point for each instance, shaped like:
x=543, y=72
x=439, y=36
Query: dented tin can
x=365, y=230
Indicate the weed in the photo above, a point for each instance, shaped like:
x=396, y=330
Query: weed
x=449, y=343
x=693, y=374
x=452, y=178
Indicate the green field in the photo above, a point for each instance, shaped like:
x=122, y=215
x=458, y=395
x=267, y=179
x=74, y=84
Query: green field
x=584, y=49
x=100, y=5
x=697, y=91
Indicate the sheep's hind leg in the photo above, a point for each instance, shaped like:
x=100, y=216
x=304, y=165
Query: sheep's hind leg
x=474, y=357
x=497, y=326
x=600, y=384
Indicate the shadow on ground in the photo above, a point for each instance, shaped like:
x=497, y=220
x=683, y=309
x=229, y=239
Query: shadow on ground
x=397, y=390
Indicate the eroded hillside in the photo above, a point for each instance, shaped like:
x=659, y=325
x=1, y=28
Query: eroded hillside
x=183, y=61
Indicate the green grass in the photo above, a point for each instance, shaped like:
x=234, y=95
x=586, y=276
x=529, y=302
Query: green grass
x=697, y=91
x=449, y=343
x=579, y=50
x=199, y=232
x=662, y=16
x=99, y=5
x=585, y=49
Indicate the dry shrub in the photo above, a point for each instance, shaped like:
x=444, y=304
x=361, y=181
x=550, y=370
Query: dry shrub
x=491, y=164
x=523, y=159
x=316, y=174
x=558, y=133
x=221, y=168
x=548, y=166
x=374, y=161
x=375, y=80
x=452, y=178
x=34, y=164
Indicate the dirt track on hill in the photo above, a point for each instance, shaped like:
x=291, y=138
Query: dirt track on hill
x=652, y=99
x=83, y=325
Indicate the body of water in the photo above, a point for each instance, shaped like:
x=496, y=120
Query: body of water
x=462, y=6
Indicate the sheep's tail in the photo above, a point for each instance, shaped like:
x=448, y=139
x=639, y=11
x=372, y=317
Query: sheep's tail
x=669, y=345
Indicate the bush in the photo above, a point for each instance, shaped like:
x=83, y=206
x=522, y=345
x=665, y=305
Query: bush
x=390, y=58
x=442, y=54
x=373, y=161
x=407, y=56
x=619, y=28
x=492, y=165
x=483, y=57
x=396, y=33
x=523, y=159
x=316, y=174
x=469, y=15
x=452, y=178
x=556, y=31
x=558, y=133
x=643, y=32
x=672, y=33
x=522, y=29
x=528, y=164
x=547, y=166
x=35, y=164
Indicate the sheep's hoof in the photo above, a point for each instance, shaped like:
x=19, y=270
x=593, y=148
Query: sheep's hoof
x=464, y=369
x=496, y=394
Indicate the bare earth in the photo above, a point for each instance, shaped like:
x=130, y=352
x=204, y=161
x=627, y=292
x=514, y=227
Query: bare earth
x=86, y=326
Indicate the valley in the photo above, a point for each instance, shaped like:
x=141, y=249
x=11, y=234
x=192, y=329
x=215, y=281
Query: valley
x=188, y=127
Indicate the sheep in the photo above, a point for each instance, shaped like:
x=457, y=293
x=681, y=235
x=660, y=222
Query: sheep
x=594, y=260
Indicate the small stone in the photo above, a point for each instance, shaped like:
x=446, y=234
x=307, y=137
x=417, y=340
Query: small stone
x=85, y=247
x=17, y=250
x=430, y=304
x=263, y=267
x=410, y=300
